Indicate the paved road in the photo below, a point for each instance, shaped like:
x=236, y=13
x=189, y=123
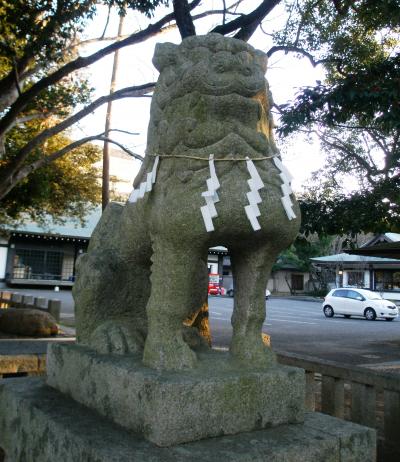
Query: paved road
x=300, y=327
x=297, y=326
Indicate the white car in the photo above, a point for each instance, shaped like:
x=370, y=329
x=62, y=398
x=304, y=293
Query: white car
x=358, y=302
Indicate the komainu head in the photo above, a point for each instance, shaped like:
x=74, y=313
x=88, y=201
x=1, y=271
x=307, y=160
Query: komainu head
x=212, y=65
x=211, y=95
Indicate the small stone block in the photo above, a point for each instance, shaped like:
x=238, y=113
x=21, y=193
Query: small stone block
x=217, y=398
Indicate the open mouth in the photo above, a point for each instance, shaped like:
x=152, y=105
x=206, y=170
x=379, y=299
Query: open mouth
x=244, y=90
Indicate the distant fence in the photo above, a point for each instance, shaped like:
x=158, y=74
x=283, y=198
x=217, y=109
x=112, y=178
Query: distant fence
x=17, y=300
x=357, y=394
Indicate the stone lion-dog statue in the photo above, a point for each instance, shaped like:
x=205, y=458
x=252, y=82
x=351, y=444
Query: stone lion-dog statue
x=211, y=176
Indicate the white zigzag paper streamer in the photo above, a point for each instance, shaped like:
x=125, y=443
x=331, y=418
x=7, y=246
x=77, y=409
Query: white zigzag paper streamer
x=286, y=178
x=255, y=183
x=209, y=211
x=145, y=186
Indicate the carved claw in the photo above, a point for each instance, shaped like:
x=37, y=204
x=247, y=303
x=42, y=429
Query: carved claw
x=117, y=337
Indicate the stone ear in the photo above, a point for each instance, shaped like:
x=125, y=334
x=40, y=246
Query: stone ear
x=261, y=59
x=165, y=54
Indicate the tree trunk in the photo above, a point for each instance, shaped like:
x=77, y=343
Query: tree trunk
x=183, y=18
x=105, y=192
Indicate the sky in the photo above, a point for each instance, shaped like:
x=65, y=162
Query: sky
x=285, y=74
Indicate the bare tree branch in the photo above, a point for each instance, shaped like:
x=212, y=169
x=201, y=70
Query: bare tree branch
x=16, y=77
x=9, y=173
x=183, y=18
x=293, y=49
x=247, y=23
x=20, y=65
x=224, y=13
x=116, y=38
x=368, y=149
x=107, y=22
x=28, y=169
x=21, y=102
x=163, y=29
x=338, y=144
x=256, y=17
x=124, y=148
x=32, y=116
x=123, y=131
x=128, y=92
x=28, y=118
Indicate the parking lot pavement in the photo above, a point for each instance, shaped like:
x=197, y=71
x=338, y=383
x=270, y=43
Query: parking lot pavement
x=295, y=325
x=299, y=326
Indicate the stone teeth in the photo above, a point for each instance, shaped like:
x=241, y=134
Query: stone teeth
x=209, y=211
x=286, y=178
x=253, y=196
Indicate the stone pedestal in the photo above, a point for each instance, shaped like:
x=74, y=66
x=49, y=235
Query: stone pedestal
x=217, y=398
x=40, y=424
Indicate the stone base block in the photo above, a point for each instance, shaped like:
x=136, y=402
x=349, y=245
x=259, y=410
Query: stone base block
x=38, y=423
x=217, y=398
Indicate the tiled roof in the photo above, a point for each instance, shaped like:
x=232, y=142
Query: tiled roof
x=394, y=237
x=71, y=228
x=347, y=258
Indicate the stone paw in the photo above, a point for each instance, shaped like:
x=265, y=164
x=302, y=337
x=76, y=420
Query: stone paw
x=118, y=337
x=171, y=354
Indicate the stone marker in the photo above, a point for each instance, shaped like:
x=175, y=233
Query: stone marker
x=28, y=322
x=54, y=308
x=16, y=300
x=27, y=301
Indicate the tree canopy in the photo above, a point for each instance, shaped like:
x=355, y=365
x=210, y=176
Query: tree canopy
x=36, y=39
x=68, y=186
x=355, y=112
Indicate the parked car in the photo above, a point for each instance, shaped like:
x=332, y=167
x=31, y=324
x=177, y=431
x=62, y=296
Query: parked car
x=358, y=302
x=214, y=287
x=231, y=292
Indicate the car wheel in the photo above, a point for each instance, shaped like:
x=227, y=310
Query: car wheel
x=370, y=314
x=389, y=319
x=230, y=293
x=347, y=316
x=328, y=311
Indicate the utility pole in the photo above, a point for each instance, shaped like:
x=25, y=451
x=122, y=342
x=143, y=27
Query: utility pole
x=105, y=192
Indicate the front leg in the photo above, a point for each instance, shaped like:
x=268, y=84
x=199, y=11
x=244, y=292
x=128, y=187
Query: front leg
x=178, y=287
x=251, y=269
